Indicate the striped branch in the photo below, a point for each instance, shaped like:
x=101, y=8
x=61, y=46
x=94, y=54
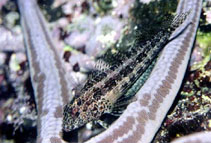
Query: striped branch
x=47, y=74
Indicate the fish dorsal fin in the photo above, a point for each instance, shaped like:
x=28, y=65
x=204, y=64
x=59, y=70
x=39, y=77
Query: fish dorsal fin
x=102, y=66
x=93, y=77
x=110, y=59
x=178, y=20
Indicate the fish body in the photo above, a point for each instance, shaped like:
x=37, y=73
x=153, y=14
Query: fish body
x=105, y=86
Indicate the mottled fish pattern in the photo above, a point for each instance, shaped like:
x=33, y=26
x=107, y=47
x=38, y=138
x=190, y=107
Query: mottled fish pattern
x=109, y=82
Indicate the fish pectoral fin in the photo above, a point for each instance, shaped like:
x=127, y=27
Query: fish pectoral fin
x=124, y=101
x=120, y=106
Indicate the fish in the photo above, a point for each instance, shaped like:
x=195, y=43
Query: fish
x=106, y=86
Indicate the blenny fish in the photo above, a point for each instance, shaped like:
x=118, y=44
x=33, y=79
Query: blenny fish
x=108, y=83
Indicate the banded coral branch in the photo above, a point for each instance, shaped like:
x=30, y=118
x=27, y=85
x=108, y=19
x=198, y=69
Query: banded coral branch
x=142, y=119
x=47, y=74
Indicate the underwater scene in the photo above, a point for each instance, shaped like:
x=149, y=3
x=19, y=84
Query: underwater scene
x=105, y=71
